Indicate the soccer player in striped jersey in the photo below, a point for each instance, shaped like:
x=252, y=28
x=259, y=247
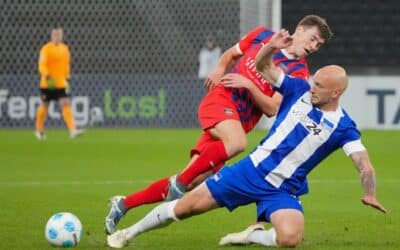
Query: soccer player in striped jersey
x=310, y=125
x=232, y=108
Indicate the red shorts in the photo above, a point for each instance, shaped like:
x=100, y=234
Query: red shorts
x=204, y=139
x=215, y=107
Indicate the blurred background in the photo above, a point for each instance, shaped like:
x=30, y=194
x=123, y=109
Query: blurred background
x=136, y=63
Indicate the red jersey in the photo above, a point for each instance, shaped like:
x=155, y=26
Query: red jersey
x=249, y=46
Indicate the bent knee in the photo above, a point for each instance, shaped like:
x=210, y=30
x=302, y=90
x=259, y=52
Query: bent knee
x=289, y=239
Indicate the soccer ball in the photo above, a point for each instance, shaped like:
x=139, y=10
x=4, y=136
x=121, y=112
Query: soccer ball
x=64, y=230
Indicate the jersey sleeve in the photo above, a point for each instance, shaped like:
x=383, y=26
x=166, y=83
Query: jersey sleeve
x=353, y=146
x=43, y=61
x=253, y=37
x=352, y=141
x=287, y=85
x=299, y=69
x=68, y=63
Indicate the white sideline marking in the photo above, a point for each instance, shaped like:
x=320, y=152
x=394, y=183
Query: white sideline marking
x=72, y=183
x=130, y=182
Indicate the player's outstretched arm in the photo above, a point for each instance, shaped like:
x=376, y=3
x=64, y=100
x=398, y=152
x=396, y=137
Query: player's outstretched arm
x=368, y=180
x=264, y=63
x=227, y=58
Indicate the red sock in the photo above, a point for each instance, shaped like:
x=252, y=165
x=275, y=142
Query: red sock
x=155, y=192
x=213, y=154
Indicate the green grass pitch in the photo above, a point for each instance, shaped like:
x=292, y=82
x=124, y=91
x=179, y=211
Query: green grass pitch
x=39, y=179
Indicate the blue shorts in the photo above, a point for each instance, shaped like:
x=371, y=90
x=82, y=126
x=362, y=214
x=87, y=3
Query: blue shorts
x=241, y=184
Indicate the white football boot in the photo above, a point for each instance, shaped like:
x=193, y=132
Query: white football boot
x=118, y=239
x=76, y=133
x=240, y=238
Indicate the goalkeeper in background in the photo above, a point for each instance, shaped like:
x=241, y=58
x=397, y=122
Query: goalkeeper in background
x=54, y=68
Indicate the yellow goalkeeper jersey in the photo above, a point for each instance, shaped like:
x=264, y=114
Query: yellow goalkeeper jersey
x=54, y=65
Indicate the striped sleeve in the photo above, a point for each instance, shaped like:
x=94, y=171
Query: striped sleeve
x=298, y=69
x=255, y=36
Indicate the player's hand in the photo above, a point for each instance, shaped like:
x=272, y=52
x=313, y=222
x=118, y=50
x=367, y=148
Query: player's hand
x=51, y=83
x=214, y=77
x=233, y=80
x=373, y=202
x=281, y=39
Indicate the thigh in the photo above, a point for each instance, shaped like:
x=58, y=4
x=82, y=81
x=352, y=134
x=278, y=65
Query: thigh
x=276, y=200
x=228, y=130
x=47, y=95
x=214, y=108
x=195, y=202
x=232, y=186
x=63, y=97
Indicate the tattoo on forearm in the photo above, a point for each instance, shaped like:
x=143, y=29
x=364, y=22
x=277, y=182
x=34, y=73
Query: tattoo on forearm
x=368, y=182
x=367, y=173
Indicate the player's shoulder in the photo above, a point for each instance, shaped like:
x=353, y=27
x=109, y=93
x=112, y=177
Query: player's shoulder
x=346, y=121
x=46, y=45
x=265, y=28
x=260, y=31
x=298, y=68
x=64, y=45
x=267, y=32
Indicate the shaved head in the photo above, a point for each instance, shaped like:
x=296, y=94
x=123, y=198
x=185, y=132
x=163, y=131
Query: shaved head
x=329, y=84
x=334, y=75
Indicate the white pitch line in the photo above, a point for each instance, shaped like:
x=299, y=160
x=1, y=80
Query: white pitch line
x=131, y=182
x=72, y=183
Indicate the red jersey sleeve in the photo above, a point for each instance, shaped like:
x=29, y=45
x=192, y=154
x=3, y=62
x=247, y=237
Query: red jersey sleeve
x=299, y=69
x=255, y=36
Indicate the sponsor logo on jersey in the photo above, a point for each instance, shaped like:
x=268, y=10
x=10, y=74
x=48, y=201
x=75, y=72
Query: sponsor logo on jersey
x=228, y=111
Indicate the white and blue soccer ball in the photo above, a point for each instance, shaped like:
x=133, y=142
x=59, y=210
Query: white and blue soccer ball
x=63, y=230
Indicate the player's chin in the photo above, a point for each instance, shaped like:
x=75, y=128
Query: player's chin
x=303, y=54
x=314, y=101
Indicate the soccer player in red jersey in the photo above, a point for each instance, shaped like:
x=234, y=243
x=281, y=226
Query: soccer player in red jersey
x=233, y=106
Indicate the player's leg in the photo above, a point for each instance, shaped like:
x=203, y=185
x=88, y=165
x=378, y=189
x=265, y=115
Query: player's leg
x=229, y=139
x=224, y=190
x=289, y=227
x=286, y=231
x=199, y=179
x=196, y=202
x=67, y=113
x=155, y=192
x=41, y=114
x=120, y=205
x=287, y=219
x=233, y=136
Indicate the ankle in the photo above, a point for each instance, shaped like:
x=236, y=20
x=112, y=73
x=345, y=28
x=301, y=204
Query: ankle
x=180, y=185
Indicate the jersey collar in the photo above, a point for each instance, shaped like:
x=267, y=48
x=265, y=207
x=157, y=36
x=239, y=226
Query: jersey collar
x=289, y=56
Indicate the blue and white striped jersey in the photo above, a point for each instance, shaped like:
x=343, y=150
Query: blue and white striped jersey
x=301, y=137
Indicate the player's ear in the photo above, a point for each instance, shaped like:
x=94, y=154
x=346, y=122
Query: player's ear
x=299, y=28
x=336, y=93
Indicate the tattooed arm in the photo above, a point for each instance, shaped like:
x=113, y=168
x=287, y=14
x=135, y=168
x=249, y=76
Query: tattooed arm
x=368, y=181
